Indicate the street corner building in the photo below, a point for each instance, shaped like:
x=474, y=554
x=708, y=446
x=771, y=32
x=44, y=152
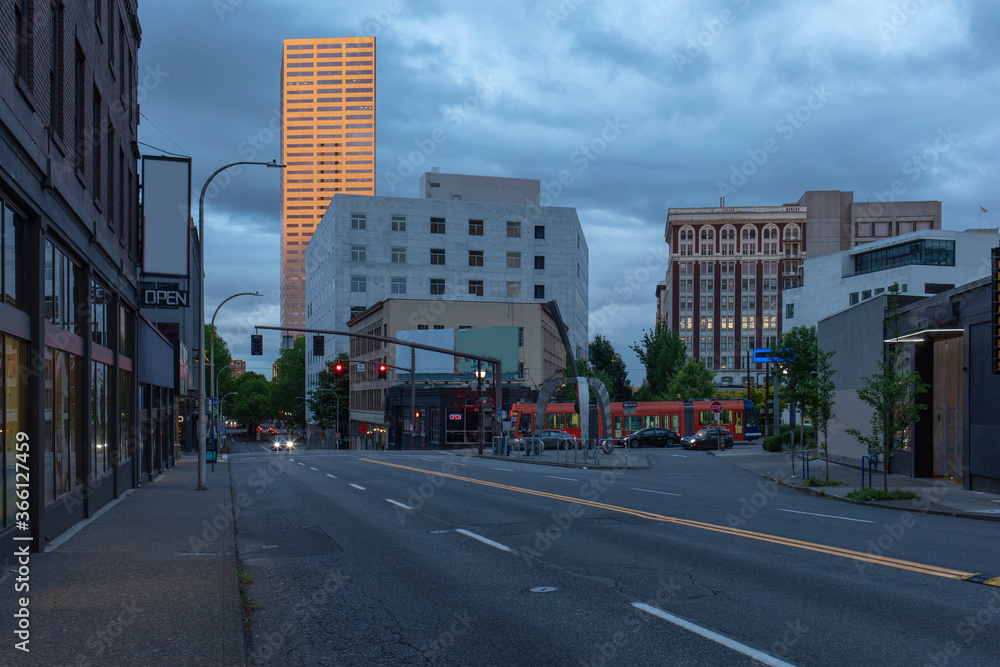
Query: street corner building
x=79, y=382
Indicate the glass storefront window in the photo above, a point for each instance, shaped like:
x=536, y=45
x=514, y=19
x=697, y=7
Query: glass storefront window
x=13, y=419
x=63, y=379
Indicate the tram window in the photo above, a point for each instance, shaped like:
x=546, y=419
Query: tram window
x=650, y=420
x=618, y=426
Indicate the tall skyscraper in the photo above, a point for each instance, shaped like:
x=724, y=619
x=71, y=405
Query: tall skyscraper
x=327, y=143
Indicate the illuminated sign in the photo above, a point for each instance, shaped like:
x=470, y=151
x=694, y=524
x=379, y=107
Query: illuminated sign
x=455, y=417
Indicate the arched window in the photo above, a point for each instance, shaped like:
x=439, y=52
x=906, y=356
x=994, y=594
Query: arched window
x=706, y=245
x=771, y=240
x=728, y=244
x=749, y=240
x=686, y=245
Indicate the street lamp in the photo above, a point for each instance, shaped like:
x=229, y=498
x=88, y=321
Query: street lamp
x=201, y=306
x=218, y=381
x=217, y=428
x=480, y=374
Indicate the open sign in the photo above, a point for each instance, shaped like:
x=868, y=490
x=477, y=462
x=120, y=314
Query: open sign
x=455, y=417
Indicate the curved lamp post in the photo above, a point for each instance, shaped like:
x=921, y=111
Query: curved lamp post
x=218, y=381
x=201, y=318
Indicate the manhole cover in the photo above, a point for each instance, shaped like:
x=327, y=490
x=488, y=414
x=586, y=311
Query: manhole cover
x=543, y=589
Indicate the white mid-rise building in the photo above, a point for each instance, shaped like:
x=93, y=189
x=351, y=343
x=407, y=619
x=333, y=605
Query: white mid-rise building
x=922, y=263
x=368, y=249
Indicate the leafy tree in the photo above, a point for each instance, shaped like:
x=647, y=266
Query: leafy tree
x=605, y=360
x=324, y=401
x=822, y=410
x=809, y=379
x=289, y=388
x=663, y=353
x=891, y=393
x=693, y=380
x=252, y=403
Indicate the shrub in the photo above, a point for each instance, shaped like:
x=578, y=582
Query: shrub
x=782, y=440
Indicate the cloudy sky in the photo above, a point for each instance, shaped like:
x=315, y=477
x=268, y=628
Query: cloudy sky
x=645, y=105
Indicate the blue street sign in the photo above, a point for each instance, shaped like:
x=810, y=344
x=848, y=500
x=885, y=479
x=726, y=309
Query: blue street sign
x=215, y=399
x=762, y=355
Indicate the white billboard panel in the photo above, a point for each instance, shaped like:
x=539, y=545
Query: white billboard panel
x=166, y=215
x=427, y=361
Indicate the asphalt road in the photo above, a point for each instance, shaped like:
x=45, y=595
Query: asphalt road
x=413, y=558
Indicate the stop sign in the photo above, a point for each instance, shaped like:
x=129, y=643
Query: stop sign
x=716, y=407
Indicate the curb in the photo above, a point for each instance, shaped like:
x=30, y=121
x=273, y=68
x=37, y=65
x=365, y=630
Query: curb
x=874, y=503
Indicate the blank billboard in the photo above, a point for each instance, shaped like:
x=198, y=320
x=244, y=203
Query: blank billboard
x=166, y=215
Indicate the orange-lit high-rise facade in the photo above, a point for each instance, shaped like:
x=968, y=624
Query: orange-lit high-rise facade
x=327, y=143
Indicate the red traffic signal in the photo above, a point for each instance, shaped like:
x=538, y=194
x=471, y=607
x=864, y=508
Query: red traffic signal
x=338, y=368
x=382, y=368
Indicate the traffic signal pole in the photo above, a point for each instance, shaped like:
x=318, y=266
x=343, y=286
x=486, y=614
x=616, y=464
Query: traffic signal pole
x=497, y=365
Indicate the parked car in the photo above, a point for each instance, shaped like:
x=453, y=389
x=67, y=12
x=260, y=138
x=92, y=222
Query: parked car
x=554, y=439
x=710, y=437
x=282, y=442
x=647, y=437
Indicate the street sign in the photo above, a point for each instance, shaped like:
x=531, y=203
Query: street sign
x=716, y=407
x=628, y=407
x=215, y=401
x=359, y=367
x=762, y=355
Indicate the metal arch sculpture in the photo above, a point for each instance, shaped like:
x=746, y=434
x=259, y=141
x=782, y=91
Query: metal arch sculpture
x=594, y=385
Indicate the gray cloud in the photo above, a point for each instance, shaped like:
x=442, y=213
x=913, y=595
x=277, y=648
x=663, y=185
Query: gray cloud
x=898, y=73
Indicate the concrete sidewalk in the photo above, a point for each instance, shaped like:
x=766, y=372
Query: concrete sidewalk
x=937, y=495
x=149, y=580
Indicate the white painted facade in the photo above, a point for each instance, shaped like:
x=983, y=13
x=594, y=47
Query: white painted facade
x=831, y=283
x=389, y=256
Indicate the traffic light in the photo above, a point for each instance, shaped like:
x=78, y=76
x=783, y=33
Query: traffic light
x=319, y=343
x=256, y=344
x=382, y=368
x=339, y=368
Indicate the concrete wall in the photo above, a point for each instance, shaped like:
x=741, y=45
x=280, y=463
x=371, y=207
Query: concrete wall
x=465, y=187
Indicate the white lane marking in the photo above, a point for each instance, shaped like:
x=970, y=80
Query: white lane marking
x=311, y=468
x=462, y=464
x=567, y=478
x=398, y=504
x=301, y=464
x=484, y=540
x=359, y=488
x=680, y=456
x=662, y=493
x=504, y=469
x=752, y=653
x=424, y=458
x=828, y=516
x=329, y=475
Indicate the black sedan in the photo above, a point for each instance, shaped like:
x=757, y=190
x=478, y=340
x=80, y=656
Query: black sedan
x=647, y=437
x=710, y=437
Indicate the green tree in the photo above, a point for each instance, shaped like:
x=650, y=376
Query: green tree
x=223, y=358
x=289, y=388
x=605, y=360
x=822, y=410
x=809, y=380
x=324, y=400
x=663, y=353
x=891, y=393
x=693, y=380
x=252, y=403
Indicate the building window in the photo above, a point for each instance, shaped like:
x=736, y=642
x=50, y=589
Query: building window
x=853, y=299
x=10, y=233
x=62, y=282
x=421, y=327
x=789, y=311
x=24, y=36
x=437, y=225
x=359, y=284
x=358, y=221
x=398, y=255
x=539, y=231
x=358, y=253
x=475, y=227
x=513, y=289
x=55, y=70
x=475, y=258
x=513, y=260
x=437, y=286
x=437, y=256
x=539, y=262
x=866, y=294
x=513, y=230
x=539, y=291
x=79, y=124
x=398, y=286
x=357, y=310
x=749, y=323
x=399, y=223
x=476, y=287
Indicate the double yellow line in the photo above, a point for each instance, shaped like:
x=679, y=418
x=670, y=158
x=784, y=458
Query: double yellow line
x=763, y=537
